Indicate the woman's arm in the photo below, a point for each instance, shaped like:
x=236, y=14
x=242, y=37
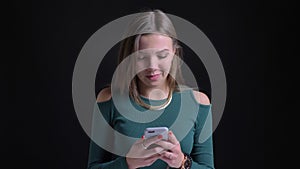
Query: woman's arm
x=99, y=158
x=202, y=155
x=202, y=152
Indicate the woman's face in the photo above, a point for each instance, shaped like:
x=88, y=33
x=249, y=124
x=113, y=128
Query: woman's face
x=154, y=59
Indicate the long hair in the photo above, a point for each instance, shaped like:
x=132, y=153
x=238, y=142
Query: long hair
x=147, y=23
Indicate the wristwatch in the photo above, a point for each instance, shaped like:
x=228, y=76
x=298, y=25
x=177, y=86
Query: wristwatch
x=187, y=162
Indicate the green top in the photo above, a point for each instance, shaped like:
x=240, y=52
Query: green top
x=189, y=121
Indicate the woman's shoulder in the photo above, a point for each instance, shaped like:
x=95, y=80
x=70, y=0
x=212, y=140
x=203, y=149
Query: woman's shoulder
x=104, y=95
x=201, y=97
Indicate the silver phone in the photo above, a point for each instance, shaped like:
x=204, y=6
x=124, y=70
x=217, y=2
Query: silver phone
x=154, y=131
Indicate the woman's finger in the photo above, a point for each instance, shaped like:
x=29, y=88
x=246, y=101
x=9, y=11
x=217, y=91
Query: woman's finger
x=166, y=145
x=169, y=155
x=172, y=138
x=152, y=140
x=152, y=158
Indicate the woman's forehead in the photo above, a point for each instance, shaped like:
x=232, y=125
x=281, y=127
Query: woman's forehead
x=155, y=41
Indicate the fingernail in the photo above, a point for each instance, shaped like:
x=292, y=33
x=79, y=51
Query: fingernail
x=159, y=136
x=170, y=132
x=143, y=137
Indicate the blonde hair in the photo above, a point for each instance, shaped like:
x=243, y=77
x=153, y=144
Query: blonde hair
x=148, y=23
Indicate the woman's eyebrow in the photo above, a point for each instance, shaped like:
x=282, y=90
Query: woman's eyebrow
x=161, y=51
x=157, y=52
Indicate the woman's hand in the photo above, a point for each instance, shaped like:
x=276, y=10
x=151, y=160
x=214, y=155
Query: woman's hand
x=172, y=154
x=140, y=156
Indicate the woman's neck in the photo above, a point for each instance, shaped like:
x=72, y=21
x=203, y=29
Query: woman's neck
x=155, y=93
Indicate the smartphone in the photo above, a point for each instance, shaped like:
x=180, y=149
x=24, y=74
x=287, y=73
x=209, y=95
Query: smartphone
x=154, y=131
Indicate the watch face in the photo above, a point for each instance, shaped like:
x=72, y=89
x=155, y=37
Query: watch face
x=188, y=162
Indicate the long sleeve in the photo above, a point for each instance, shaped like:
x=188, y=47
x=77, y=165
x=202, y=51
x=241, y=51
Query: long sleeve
x=99, y=158
x=202, y=152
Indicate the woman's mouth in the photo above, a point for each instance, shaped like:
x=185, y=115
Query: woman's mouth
x=153, y=77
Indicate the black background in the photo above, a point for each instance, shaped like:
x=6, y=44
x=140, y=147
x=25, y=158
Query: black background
x=47, y=36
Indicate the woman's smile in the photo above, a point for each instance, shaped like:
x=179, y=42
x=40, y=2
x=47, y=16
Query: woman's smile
x=153, y=77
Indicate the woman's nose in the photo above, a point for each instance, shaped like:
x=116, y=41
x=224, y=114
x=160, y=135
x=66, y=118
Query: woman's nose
x=152, y=63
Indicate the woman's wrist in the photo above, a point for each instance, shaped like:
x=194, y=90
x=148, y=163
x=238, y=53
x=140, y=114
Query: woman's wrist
x=128, y=164
x=181, y=160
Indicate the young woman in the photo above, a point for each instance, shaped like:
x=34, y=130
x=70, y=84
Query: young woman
x=152, y=58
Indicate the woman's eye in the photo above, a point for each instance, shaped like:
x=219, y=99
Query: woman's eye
x=141, y=57
x=163, y=55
